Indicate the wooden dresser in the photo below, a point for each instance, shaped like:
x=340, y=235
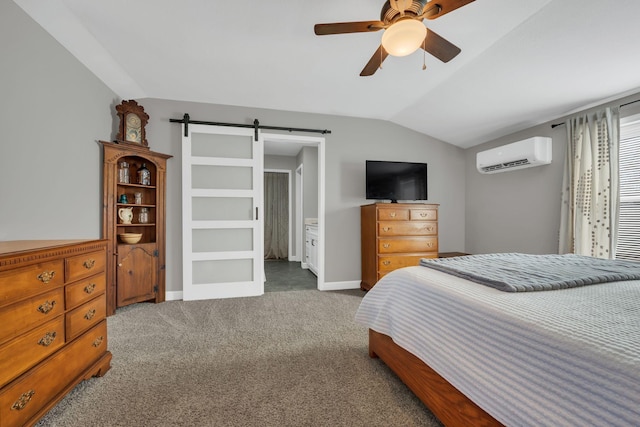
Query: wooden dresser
x=53, y=329
x=396, y=235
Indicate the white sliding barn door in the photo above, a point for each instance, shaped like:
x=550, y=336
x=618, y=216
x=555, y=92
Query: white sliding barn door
x=222, y=235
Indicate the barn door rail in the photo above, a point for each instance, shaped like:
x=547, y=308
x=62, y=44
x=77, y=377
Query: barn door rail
x=186, y=120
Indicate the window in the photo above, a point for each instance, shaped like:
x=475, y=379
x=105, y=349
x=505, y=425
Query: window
x=628, y=246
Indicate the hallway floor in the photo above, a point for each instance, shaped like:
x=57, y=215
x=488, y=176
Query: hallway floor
x=285, y=275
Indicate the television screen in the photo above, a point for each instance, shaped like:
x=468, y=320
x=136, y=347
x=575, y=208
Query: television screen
x=396, y=180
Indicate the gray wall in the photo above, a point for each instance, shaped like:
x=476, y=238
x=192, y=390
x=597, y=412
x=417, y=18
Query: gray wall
x=351, y=142
x=308, y=158
x=515, y=211
x=519, y=211
x=52, y=112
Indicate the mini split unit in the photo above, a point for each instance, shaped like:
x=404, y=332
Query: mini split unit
x=528, y=153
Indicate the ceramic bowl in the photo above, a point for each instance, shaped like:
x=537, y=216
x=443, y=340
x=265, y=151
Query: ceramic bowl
x=130, y=238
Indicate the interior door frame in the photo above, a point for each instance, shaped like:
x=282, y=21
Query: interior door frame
x=299, y=208
x=318, y=142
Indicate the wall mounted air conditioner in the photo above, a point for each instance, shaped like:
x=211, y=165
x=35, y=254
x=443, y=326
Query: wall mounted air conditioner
x=528, y=153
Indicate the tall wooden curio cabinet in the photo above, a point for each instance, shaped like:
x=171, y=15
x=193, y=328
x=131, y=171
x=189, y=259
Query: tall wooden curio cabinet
x=134, y=206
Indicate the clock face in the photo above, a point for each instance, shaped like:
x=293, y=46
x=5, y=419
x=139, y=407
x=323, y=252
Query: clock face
x=133, y=129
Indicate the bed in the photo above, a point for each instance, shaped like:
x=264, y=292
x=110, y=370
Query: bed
x=477, y=355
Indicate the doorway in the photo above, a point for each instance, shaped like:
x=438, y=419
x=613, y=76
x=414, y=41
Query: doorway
x=301, y=159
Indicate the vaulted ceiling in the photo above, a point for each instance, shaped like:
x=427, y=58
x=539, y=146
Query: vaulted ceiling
x=523, y=62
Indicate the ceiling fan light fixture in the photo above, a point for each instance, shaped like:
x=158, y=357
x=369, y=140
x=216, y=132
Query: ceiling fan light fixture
x=404, y=37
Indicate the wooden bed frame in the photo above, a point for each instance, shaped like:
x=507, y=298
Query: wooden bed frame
x=445, y=401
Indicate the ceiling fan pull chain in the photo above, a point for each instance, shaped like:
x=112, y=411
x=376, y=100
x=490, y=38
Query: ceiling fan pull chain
x=424, y=54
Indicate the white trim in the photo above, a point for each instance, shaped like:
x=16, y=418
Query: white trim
x=299, y=208
x=338, y=286
x=206, y=224
x=200, y=192
x=321, y=212
x=220, y=161
x=222, y=256
x=173, y=296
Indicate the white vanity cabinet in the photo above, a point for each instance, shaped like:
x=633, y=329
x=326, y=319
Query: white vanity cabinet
x=311, y=247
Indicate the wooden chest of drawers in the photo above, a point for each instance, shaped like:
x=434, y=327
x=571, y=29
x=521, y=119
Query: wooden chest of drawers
x=53, y=331
x=396, y=235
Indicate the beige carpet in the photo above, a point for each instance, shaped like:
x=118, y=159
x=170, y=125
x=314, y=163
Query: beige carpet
x=283, y=359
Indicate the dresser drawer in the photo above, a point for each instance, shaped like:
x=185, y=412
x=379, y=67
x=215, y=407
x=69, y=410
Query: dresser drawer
x=83, y=291
x=20, y=354
x=24, y=315
x=393, y=262
x=393, y=214
x=23, y=398
x=28, y=281
x=409, y=244
x=407, y=228
x=85, y=316
x=85, y=265
x=423, y=215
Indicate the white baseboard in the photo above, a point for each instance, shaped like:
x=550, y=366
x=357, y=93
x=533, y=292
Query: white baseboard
x=173, y=296
x=339, y=286
x=304, y=265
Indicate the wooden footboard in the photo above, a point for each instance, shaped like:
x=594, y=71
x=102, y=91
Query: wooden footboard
x=447, y=403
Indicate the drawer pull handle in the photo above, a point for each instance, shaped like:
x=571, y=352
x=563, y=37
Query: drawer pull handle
x=47, y=339
x=392, y=214
x=429, y=228
x=90, y=314
x=386, y=228
x=424, y=214
x=88, y=264
x=386, y=245
x=46, y=276
x=90, y=288
x=98, y=341
x=22, y=401
x=387, y=262
x=430, y=244
x=46, y=306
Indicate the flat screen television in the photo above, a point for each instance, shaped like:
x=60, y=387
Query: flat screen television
x=395, y=180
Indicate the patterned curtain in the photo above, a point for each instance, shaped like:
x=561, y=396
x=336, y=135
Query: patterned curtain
x=590, y=188
x=276, y=215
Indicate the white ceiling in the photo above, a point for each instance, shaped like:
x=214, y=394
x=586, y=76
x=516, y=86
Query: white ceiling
x=523, y=62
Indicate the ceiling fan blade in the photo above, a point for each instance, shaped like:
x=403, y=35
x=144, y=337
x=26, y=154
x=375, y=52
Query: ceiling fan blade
x=348, y=27
x=436, y=8
x=442, y=49
x=375, y=62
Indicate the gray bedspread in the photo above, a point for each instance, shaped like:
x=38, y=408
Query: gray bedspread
x=515, y=272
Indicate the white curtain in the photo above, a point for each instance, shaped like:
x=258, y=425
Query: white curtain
x=590, y=188
x=276, y=215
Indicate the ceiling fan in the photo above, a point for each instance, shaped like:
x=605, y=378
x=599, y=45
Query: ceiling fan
x=404, y=31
